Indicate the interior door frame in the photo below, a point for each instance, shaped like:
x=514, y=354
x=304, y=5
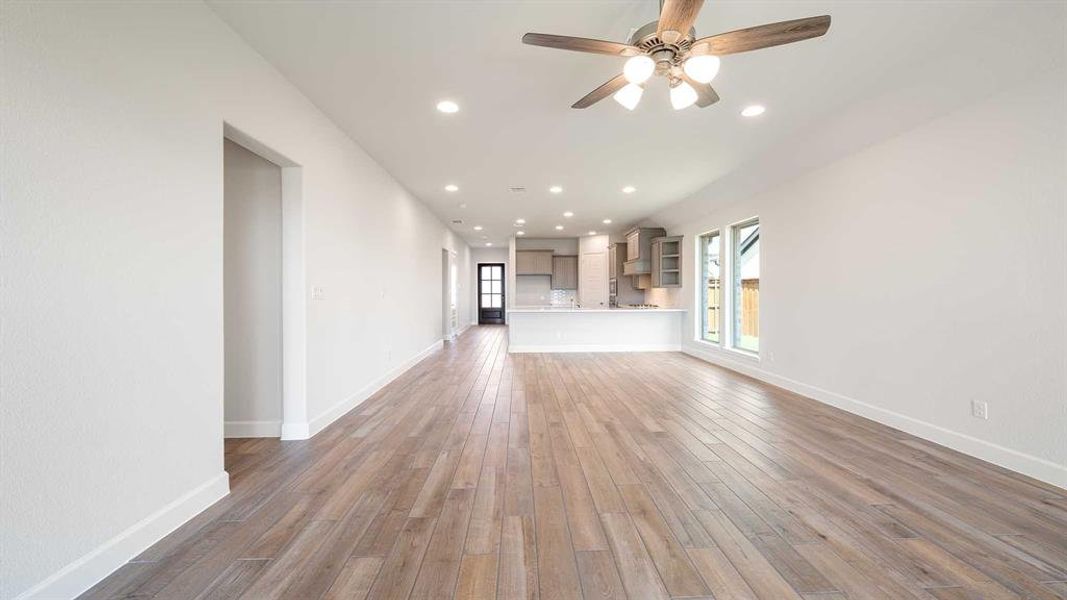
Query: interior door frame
x=295, y=424
x=503, y=289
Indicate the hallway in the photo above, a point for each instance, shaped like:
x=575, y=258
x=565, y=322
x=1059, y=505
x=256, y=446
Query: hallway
x=479, y=474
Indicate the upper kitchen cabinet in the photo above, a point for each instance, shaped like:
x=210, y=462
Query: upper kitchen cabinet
x=667, y=261
x=639, y=250
x=564, y=272
x=616, y=256
x=533, y=262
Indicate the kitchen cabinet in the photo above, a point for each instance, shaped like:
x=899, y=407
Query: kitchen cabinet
x=564, y=272
x=616, y=256
x=639, y=250
x=666, y=255
x=622, y=289
x=533, y=262
x=632, y=244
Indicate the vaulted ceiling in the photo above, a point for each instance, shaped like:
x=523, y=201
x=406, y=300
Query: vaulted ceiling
x=378, y=69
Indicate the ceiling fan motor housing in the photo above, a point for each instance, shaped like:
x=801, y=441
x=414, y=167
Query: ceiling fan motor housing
x=668, y=57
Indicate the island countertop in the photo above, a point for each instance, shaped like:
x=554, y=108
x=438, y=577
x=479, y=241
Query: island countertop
x=566, y=329
x=568, y=309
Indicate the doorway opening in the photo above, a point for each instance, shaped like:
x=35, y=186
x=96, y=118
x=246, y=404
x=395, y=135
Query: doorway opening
x=264, y=304
x=491, y=293
x=252, y=293
x=449, y=312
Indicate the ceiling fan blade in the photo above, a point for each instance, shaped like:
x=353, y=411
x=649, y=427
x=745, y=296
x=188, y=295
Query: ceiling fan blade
x=706, y=95
x=676, y=17
x=613, y=85
x=762, y=36
x=577, y=44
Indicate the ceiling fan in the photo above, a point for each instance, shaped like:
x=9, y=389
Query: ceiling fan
x=669, y=48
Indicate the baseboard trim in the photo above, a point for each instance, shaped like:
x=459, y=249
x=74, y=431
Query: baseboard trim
x=1025, y=464
x=594, y=348
x=338, y=410
x=296, y=431
x=85, y=572
x=251, y=429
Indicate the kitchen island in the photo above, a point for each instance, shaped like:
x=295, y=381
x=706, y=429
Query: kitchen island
x=562, y=329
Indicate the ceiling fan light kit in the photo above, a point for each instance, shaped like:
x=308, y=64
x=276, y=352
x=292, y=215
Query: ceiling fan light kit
x=629, y=95
x=682, y=95
x=702, y=69
x=638, y=69
x=669, y=48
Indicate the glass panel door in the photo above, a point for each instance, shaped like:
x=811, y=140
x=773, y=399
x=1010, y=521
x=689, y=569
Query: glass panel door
x=490, y=293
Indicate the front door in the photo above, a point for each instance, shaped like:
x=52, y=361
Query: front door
x=490, y=293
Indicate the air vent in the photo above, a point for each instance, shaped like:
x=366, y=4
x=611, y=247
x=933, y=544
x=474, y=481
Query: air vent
x=518, y=189
x=457, y=221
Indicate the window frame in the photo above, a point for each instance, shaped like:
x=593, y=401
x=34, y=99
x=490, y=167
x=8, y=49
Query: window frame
x=734, y=309
x=701, y=288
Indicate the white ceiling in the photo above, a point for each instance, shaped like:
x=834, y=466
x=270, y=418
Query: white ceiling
x=378, y=68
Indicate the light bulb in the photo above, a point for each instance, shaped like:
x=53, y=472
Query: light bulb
x=447, y=106
x=638, y=69
x=753, y=111
x=629, y=95
x=702, y=68
x=683, y=96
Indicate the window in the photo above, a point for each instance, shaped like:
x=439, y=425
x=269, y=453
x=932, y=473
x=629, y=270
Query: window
x=745, y=259
x=710, y=286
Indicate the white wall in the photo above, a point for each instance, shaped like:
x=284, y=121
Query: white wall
x=112, y=220
x=487, y=255
x=252, y=275
x=921, y=273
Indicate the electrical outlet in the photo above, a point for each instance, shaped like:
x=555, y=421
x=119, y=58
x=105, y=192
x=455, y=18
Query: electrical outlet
x=979, y=409
x=317, y=293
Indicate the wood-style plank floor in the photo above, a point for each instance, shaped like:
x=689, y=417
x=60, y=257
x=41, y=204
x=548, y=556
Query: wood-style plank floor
x=479, y=474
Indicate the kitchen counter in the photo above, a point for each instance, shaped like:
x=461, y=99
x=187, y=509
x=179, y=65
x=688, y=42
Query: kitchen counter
x=566, y=329
x=557, y=309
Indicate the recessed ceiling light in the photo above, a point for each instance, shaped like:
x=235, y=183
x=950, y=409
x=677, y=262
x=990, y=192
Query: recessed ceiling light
x=447, y=106
x=451, y=188
x=520, y=233
x=568, y=214
x=520, y=221
x=629, y=189
x=464, y=205
x=489, y=243
x=753, y=111
x=555, y=189
x=592, y=233
x=477, y=227
x=606, y=221
x=559, y=228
